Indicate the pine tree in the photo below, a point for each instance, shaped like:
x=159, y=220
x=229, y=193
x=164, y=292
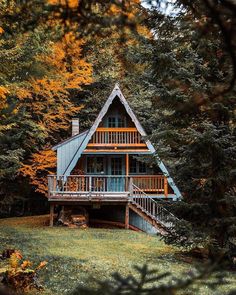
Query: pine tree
x=115, y=53
x=194, y=129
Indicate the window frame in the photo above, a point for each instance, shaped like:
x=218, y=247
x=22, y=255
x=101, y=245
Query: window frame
x=117, y=121
x=95, y=172
x=137, y=167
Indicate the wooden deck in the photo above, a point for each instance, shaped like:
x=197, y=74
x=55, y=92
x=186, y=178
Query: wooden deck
x=104, y=197
x=134, y=198
x=84, y=188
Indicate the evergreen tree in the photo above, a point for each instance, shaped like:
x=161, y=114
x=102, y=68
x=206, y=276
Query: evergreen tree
x=115, y=53
x=194, y=128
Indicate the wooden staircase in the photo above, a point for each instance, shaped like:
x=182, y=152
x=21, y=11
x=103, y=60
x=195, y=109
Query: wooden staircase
x=150, y=210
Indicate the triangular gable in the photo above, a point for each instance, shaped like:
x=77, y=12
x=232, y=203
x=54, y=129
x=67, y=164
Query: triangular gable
x=66, y=150
x=117, y=93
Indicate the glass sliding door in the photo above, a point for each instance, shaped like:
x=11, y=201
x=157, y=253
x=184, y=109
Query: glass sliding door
x=117, y=172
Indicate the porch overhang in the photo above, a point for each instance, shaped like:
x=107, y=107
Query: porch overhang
x=116, y=151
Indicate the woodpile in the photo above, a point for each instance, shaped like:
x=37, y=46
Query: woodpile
x=73, y=218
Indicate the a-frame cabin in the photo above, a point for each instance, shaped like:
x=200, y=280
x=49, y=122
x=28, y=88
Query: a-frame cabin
x=99, y=170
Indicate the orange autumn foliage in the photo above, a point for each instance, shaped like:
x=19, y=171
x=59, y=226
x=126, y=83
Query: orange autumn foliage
x=48, y=98
x=3, y=95
x=69, y=3
x=43, y=70
x=67, y=59
x=40, y=165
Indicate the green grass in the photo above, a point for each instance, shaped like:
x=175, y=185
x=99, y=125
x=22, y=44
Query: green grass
x=76, y=257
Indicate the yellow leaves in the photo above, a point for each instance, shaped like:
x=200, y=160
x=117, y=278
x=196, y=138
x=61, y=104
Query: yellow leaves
x=114, y=9
x=3, y=95
x=27, y=170
x=41, y=164
x=47, y=87
x=41, y=265
x=43, y=161
x=69, y=3
x=144, y=31
x=14, y=259
x=26, y=264
x=3, y=92
x=56, y=57
x=69, y=38
x=23, y=93
x=21, y=277
x=72, y=71
x=1, y=30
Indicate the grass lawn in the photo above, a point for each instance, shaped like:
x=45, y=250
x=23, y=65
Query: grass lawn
x=76, y=257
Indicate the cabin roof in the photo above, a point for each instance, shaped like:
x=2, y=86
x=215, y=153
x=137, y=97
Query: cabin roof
x=116, y=92
x=80, y=141
x=66, y=141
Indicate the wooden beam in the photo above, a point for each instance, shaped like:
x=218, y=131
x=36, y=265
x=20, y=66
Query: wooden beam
x=51, y=215
x=165, y=187
x=127, y=216
x=116, y=144
x=127, y=172
x=127, y=164
x=116, y=150
x=118, y=129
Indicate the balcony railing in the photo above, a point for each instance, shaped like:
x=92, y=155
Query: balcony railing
x=116, y=137
x=156, y=184
x=151, y=183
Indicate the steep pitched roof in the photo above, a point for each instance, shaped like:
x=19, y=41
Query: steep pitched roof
x=116, y=92
x=79, y=136
x=80, y=141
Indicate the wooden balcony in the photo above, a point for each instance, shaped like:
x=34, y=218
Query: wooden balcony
x=116, y=137
x=83, y=186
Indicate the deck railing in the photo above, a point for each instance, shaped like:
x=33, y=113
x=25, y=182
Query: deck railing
x=116, y=136
x=106, y=183
x=152, y=183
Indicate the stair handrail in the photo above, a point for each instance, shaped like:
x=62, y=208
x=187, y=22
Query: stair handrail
x=170, y=215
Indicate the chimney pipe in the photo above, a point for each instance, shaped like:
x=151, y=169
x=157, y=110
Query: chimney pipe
x=75, y=126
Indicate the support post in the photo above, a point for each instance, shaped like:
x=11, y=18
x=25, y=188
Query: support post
x=127, y=216
x=51, y=215
x=90, y=184
x=63, y=213
x=131, y=186
x=127, y=171
x=165, y=187
x=127, y=164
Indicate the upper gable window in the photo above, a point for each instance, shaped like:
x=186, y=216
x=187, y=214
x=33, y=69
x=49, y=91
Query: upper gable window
x=116, y=122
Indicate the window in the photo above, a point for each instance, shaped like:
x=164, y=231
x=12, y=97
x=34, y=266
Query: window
x=95, y=165
x=142, y=167
x=136, y=167
x=120, y=122
x=116, y=166
x=133, y=165
x=114, y=122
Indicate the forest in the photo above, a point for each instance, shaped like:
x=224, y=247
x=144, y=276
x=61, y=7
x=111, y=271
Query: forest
x=175, y=61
